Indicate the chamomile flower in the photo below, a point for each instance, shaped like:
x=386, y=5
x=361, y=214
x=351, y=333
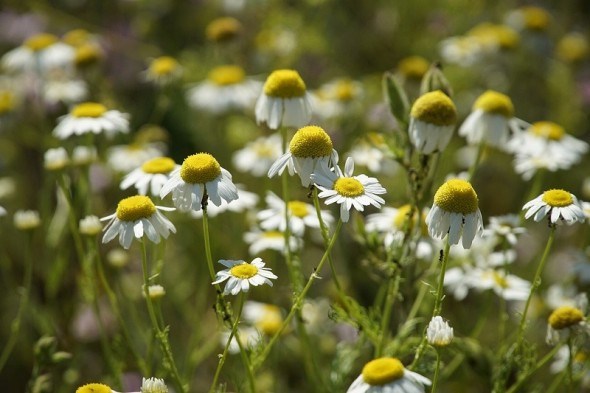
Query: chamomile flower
x=56, y=159
x=153, y=385
x=267, y=318
x=163, y=70
x=199, y=175
x=301, y=215
x=432, y=120
x=438, y=332
x=566, y=320
x=455, y=213
x=347, y=190
x=258, y=156
x=270, y=240
x=460, y=280
x=226, y=88
x=388, y=375
x=26, y=220
x=125, y=158
x=491, y=120
x=223, y=29
x=137, y=216
x=91, y=117
x=152, y=175
x=310, y=148
x=373, y=153
x=412, y=68
x=249, y=337
x=336, y=98
x=284, y=101
x=505, y=227
x=559, y=205
x=39, y=53
x=95, y=388
x=64, y=88
x=240, y=275
x=90, y=226
x=529, y=18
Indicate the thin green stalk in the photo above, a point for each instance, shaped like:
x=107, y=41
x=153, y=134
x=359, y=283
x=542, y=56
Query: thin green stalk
x=480, y=150
x=392, y=288
x=436, y=371
x=534, y=191
x=72, y=219
x=207, y=241
x=535, y=284
x=537, y=366
x=570, y=364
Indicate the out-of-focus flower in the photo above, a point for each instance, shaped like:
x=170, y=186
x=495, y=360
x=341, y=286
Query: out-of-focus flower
x=152, y=175
x=529, y=18
x=246, y=201
x=154, y=291
x=25, y=220
x=493, y=37
x=63, y=87
x=91, y=117
x=567, y=320
x=432, y=120
x=249, y=337
x=117, y=257
x=125, y=158
x=56, y=159
x=373, y=153
x=95, y=388
x=90, y=226
x=270, y=240
x=163, y=70
x=223, y=29
x=84, y=155
x=559, y=205
x=258, y=156
x=505, y=227
x=240, y=275
x=412, y=67
x=40, y=53
x=336, y=98
x=267, y=318
x=388, y=375
x=572, y=48
x=438, y=332
x=507, y=286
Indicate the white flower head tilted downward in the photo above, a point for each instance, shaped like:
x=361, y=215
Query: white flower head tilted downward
x=432, y=121
x=311, y=147
x=491, y=120
x=388, y=375
x=199, y=174
x=348, y=190
x=559, y=205
x=455, y=213
x=240, y=275
x=91, y=117
x=137, y=216
x=152, y=175
x=284, y=101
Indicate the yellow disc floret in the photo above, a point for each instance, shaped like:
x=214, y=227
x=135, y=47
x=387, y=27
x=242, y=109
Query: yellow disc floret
x=557, y=198
x=456, y=196
x=158, y=165
x=7, y=103
x=87, y=54
x=311, y=141
x=88, y=109
x=40, y=41
x=200, y=168
x=244, y=271
x=298, y=209
x=284, y=84
x=496, y=103
x=565, y=316
x=223, y=29
x=163, y=65
x=435, y=108
x=226, y=75
x=135, y=208
x=548, y=129
x=94, y=388
x=413, y=67
x=345, y=90
x=535, y=18
x=573, y=47
x=382, y=371
x=349, y=187
x=76, y=37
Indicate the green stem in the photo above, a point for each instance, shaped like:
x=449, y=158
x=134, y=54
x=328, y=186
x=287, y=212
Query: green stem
x=207, y=241
x=570, y=364
x=436, y=371
x=537, y=366
x=480, y=150
x=72, y=218
x=391, y=291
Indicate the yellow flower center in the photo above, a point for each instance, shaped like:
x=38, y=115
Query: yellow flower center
x=499, y=279
x=435, y=108
x=88, y=109
x=226, y=75
x=349, y=187
x=535, y=18
x=94, y=388
x=345, y=90
x=580, y=357
x=413, y=67
x=489, y=33
x=375, y=138
x=76, y=37
x=6, y=102
x=264, y=149
x=382, y=371
x=223, y=29
x=573, y=47
x=298, y=208
x=87, y=53
x=273, y=235
x=135, y=208
x=164, y=65
x=456, y=196
x=271, y=321
x=244, y=271
x=402, y=219
x=200, y=168
x=548, y=129
x=41, y=41
x=496, y=103
x=557, y=198
x=311, y=141
x=284, y=84
x=158, y=165
x=565, y=316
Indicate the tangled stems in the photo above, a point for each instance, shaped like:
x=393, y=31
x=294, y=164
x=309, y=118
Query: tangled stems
x=299, y=300
x=537, y=366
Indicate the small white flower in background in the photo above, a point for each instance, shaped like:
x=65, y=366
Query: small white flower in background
x=258, y=156
x=586, y=209
x=455, y=213
x=2, y=211
x=505, y=227
x=461, y=50
x=528, y=18
x=438, y=332
x=267, y=318
x=90, y=226
x=42, y=52
x=310, y=149
x=155, y=291
x=91, y=117
x=336, y=98
x=284, y=101
x=373, y=157
x=137, y=216
x=152, y=175
x=199, y=175
x=163, y=70
x=125, y=158
x=153, y=385
x=117, y=257
x=558, y=205
x=84, y=155
x=270, y=240
x=347, y=190
x=56, y=159
x=249, y=337
x=246, y=201
x=301, y=215
x=567, y=320
x=26, y=219
x=226, y=88
x=388, y=375
x=432, y=121
x=240, y=275
x=507, y=286
x=64, y=88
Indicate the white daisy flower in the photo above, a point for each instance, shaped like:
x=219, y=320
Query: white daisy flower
x=506, y=286
x=137, y=216
x=258, y=156
x=226, y=88
x=284, y=101
x=438, y=332
x=559, y=205
x=163, y=71
x=153, y=385
x=347, y=190
x=267, y=318
x=464, y=51
x=388, y=375
x=270, y=240
x=199, y=175
x=301, y=215
x=125, y=158
x=249, y=337
x=26, y=220
x=567, y=320
x=39, y=53
x=90, y=226
x=505, y=227
x=373, y=157
x=91, y=117
x=152, y=175
x=432, y=121
x=491, y=120
x=240, y=275
x=64, y=88
x=336, y=98
x=56, y=159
